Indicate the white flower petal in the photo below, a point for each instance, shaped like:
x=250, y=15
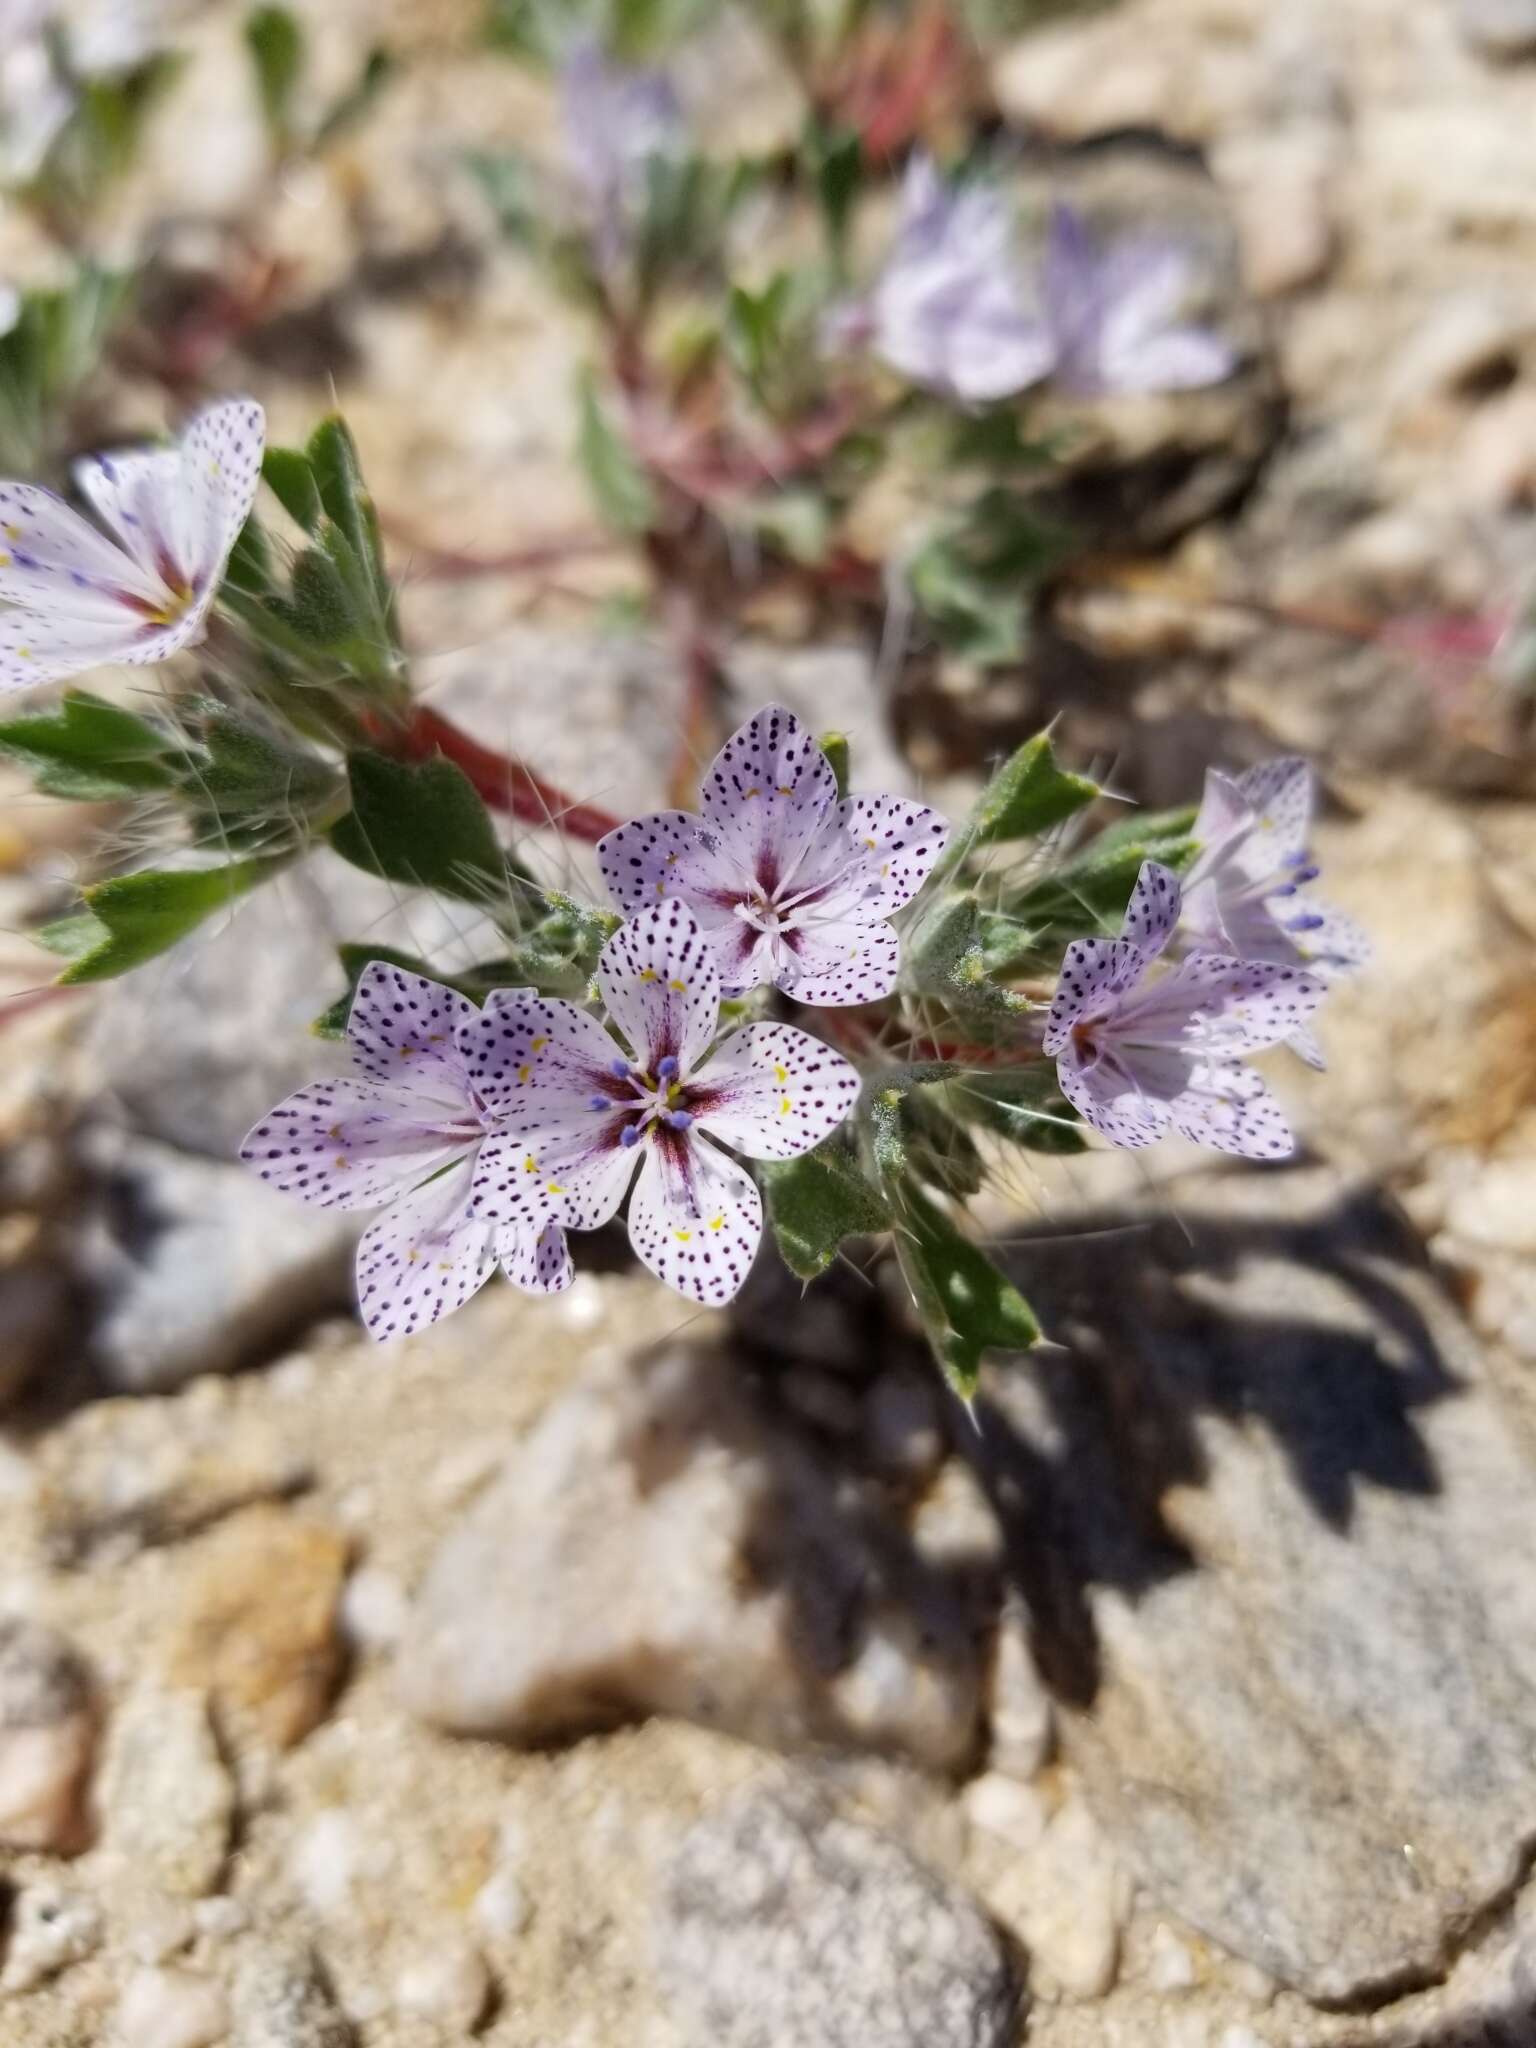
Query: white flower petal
x=662, y=988
x=695, y=1218
x=536, y=1261
x=765, y=794
x=772, y=1091
x=422, y=1259
x=345, y=1145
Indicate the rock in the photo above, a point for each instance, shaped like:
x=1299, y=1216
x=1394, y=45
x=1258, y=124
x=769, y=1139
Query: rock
x=256, y=1626
x=51, y=1928
x=1018, y=1706
x=118, y=1476
x=1496, y=462
x=1000, y=1806
x=447, y=1984
x=325, y=1861
x=282, y=1998
x=1499, y=28
x=374, y=1610
x=1068, y=1899
x=162, y=1928
x=782, y=1922
x=1171, y=1964
x=171, y=2009
x=1274, y=1503
x=197, y=1267
x=48, y=1731
x=663, y=1542
x=1285, y=230
x=1472, y=335
x=500, y=1908
x=168, y=1801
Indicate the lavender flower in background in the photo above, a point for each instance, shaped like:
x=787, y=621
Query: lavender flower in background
x=71, y=598
x=617, y=121
x=1135, y=1057
x=790, y=883
x=1112, y=314
x=407, y=1132
x=1247, y=892
x=949, y=310
x=580, y=1117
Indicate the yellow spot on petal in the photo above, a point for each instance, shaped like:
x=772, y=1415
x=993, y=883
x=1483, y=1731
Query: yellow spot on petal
x=671, y=860
x=871, y=844
x=530, y=1164
x=554, y=1187
x=885, y=869
x=407, y=1050
x=5, y=561
x=436, y=1038
x=523, y=1072
x=784, y=790
x=661, y=888
x=717, y=1222
x=12, y=531
x=785, y=1106
x=647, y=974
x=445, y=1265
x=23, y=654
x=341, y=1162
x=334, y=1131
x=682, y=1236
x=680, y=986
x=413, y=1256
x=752, y=792
x=781, y=1074
x=538, y=1045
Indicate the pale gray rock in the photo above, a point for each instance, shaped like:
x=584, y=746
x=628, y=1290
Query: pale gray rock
x=163, y=2008
x=1499, y=28
x=783, y=1922
x=281, y=1998
x=196, y=1267
x=51, y=1928
x=167, y=1799
x=662, y=1542
x=1271, y=1518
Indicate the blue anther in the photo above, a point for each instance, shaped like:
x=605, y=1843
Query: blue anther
x=679, y=1119
x=619, y=1068
x=630, y=1135
x=599, y=1102
x=666, y=1068
x=1307, y=874
x=1285, y=889
x=1309, y=921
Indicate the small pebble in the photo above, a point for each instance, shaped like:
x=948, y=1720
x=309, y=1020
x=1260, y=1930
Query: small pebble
x=48, y=1727
x=50, y=1929
x=374, y=1610
x=171, y=2009
x=220, y=1919
x=325, y=1860
x=1171, y=1965
x=448, y=1984
x=500, y=1909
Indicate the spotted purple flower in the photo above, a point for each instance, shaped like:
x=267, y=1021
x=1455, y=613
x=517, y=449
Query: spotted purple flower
x=71, y=598
x=407, y=1131
x=581, y=1114
x=1248, y=892
x=1112, y=314
x=790, y=883
x=617, y=121
x=1136, y=1056
x=949, y=310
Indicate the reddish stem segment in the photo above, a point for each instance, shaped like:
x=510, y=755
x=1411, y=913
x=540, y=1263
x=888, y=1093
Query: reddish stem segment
x=502, y=781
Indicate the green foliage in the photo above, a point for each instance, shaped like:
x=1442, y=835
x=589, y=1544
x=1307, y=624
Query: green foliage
x=835, y=160
x=796, y=521
x=558, y=954
x=421, y=824
x=290, y=478
x=755, y=323
x=948, y=958
x=1029, y=794
x=974, y=578
x=349, y=108
x=249, y=784
x=637, y=31
x=967, y=1306
x=96, y=146
x=619, y=486
x=1089, y=892
x=57, y=342
x=275, y=42
x=818, y=1200
x=90, y=751
x=835, y=746
x=132, y=918
x=1021, y=1104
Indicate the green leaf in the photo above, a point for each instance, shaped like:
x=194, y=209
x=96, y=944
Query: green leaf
x=1022, y=1104
x=948, y=958
x=972, y=615
x=354, y=103
x=966, y=1305
x=322, y=606
x=276, y=45
x=1029, y=794
x=817, y=1200
x=619, y=486
x=797, y=522
x=138, y=916
x=249, y=568
x=1088, y=894
x=246, y=772
x=510, y=188
x=559, y=955
x=338, y=477
x=91, y=751
x=754, y=324
x=835, y=746
x=421, y=823
x=837, y=162
x=292, y=482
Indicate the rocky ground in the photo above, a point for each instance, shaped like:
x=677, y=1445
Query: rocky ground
x=590, y=1673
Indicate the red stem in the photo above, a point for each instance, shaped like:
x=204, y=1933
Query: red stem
x=502, y=781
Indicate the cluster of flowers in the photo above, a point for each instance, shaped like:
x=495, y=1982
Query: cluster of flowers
x=495, y=1130
x=492, y=1131
x=952, y=312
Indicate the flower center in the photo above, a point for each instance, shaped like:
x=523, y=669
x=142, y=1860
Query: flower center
x=761, y=912
x=661, y=1099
